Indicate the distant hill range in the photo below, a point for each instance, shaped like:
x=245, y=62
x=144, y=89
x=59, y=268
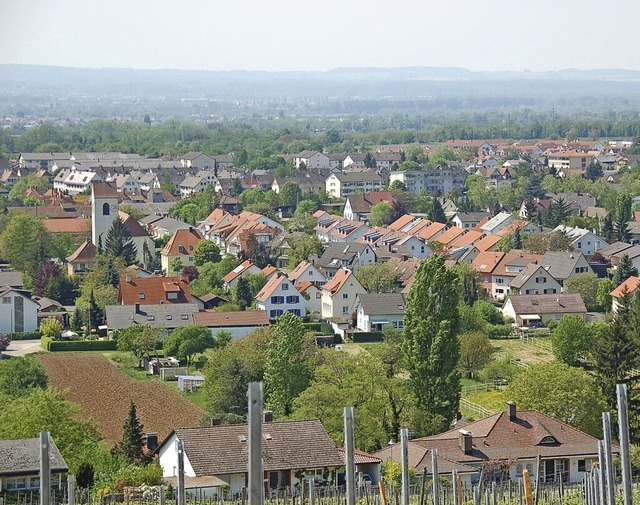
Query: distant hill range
x=349, y=83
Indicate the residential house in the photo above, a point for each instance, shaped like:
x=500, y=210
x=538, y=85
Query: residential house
x=374, y=311
x=313, y=294
x=570, y=161
x=582, y=240
x=518, y=439
x=577, y=202
x=528, y=310
x=278, y=296
x=307, y=271
x=341, y=185
x=18, y=311
x=339, y=295
x=20, y=465
x=145, y=247
x=628, y=287
x=438, y=181
x=337, y=256
x=155, y=291
x=238, y=323
x=485, y=263
x=468, y=220
x=564, y=265
x=310, y=159
x=159, y=226
x=73, y=182
x=497, y=223
x=167, y=316
x=12, y=279
x=358, y=207
x=366, y=465
x=291, y=449
x=82, y=259
x=511, y=264
x=633, y=254
x=534, y=280
x=231, y=279
x=197, y=160
x=180, y=248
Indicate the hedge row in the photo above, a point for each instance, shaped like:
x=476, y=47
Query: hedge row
x=373, y=336
x=78, y=345
x=25, y=335
x=313, y=326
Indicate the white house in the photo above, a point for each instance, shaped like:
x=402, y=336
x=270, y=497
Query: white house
x=582, y=240
x=497, y=223
x=341, y=185
x=307, y=271
x=534, y=280
x=313, y=294
x=18, y=312
x=377, y=310
x=311, y=159
x=527, y=310
x=246, y=267
x=278, y=296
x=238, y=323
x=339, y=295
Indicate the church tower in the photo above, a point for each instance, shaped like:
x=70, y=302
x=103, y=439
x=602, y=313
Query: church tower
x=104, y=210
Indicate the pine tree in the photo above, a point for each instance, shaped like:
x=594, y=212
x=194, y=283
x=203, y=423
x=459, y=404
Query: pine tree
x=623, y=216
x=431, y=345
x=242, y=293
x=437, y=212
x=132, y=437
x=95, y=314
x=607, y=227
x=517, y=239
x=119, y=243
x=624, y=270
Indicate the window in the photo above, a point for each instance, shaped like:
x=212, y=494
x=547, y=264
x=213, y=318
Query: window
x=541, y=280
x=579, y=245
x=172, y=296
x=318, y=295
x=275, y=313
x=106, y=210
x=6, y=299
x=151, y=318
x=141, y=296
x=285, y=286
x=184, y=317
x=293, y=299
x=584, y=465
x=345, y=296
x=345, y=309
x=169, y=317
x=499, y=281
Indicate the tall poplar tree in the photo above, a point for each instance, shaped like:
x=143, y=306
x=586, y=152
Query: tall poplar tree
x=286, y=373
x=431, y=346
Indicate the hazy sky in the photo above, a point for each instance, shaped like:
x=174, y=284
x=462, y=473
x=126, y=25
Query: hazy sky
x=320, y=35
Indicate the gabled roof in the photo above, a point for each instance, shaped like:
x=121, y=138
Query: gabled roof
x=183, y=242
x=432, y=230
x=561, y=303
x=271, y=285
x=300, y=269
x=420, y=458
x=560, y=264
x=627, y=287
x=103, y=190
x=383, y=303
x=22, y=457
x=402, y=221
x=85, y=252
x=339, y=280
x=450, y=235
x=153, y=289
x=487, y=261
x=213, y=319
x=76, y=225
x=336, y=253
x=164, y=315
x=290, y=445
x=495, y=221
x=614, y=248
x=238, y=271
x=12, y=278
x=487, y=242
x=530, y=434
x=361, y=457
x=514, y=262
x=529, y=271
x=132, y=225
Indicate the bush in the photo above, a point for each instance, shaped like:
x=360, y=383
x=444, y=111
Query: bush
x=82, y=345
x=25, y=335
x=51, y=328
x=373, y=336
x=315, y=327
x=499, y=330
x=45, y=342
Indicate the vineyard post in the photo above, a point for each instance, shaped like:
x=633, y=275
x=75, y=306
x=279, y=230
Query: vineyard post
x=434, y=477
x=404, y=457
x=608, y=459
x=45, y=470
x=526, y=478
x=256, y=476
x=350, y=455
x=71, y=489
x=623, y=426
x=601, y=474
x=180, y=497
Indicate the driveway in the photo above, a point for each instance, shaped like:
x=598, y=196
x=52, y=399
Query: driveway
x=22, y=347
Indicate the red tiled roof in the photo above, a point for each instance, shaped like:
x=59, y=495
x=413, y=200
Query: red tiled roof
x=86, y=252
x=339, y=279
x=213, y=319
x=188, y=239
x=153, y=289
x=77, y=225
x=628, y=287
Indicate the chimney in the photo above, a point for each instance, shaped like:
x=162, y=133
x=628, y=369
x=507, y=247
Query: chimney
x=128, y=279
x=511, y=409
x=216, y=421
x=465, y=441
x=152, y=441
x=267, y=416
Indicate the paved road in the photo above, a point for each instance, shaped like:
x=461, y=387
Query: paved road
x=22, y=347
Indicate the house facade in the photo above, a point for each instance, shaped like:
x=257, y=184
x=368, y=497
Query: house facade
x=339, y=295
x=278, y=296
x=20, y=465
x=18, y=312
x=531, y=310
x=374, y=311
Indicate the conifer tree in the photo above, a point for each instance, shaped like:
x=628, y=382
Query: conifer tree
x=607, y=227
x=623, y=216
x=242, y=293
x=119, y=243
x=132, y=437
x=517, y=239
x=437, y=212
x=624, y=270
x=431, y=345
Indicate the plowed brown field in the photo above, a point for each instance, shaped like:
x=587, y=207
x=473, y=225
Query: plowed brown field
x=105, y=393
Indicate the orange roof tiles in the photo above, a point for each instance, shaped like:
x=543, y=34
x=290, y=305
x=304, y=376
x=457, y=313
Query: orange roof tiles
x=153, y=290
x=628, y=287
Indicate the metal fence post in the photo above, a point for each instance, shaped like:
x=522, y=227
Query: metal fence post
x=180, y=497
x=434, y=477
x=404, y=456
x=608, y=459
x=45, y=470
x=349, y=449
x=623, y=425
x=71, y=489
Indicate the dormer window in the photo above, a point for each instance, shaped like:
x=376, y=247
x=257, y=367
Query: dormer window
x=548, y=440
x=172, y=295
